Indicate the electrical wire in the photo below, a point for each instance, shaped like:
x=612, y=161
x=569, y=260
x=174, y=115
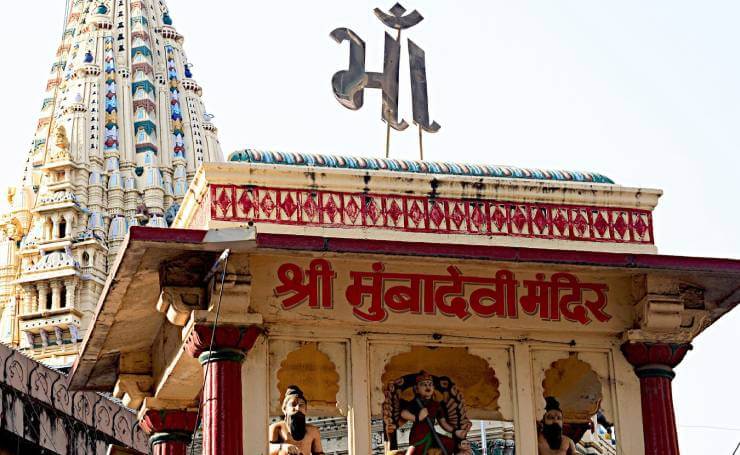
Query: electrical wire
x=710, y=427
x=225, y=257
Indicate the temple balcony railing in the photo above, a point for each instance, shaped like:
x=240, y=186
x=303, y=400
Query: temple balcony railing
x=55, y=353
x=48, y=319
x=47, y=246
x=55, y=264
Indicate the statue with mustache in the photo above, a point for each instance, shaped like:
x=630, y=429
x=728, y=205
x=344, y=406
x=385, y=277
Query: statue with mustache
x=292, y=435
x=551, y=440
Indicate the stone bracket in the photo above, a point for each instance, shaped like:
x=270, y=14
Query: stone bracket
x=132, y=389
x=667, y=309
x=177, y=302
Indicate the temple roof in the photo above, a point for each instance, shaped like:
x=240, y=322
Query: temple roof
x=414, y=166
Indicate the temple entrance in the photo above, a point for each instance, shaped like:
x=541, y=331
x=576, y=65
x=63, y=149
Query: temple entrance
x=444, y=398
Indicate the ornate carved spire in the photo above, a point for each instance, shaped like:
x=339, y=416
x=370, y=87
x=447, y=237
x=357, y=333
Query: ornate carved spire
x=123, y=126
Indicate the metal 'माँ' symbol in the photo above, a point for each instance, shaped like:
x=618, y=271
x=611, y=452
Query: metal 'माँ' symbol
x=349, y=84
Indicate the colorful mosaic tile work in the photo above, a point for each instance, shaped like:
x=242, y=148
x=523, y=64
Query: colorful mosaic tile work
x=431, y=215
x=418, y=167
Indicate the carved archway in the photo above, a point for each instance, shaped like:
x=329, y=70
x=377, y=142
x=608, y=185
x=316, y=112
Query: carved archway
x=473, y=375
x=314, y=372
x=578, y=389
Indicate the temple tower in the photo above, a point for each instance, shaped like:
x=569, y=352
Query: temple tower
x=122, y=131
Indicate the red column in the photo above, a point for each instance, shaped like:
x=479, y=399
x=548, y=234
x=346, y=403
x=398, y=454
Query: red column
x=169, y=432
x=222, y=391
x=654, y=363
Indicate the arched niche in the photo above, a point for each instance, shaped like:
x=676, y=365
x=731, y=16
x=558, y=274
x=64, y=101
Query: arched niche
x=475, y=378
x=315, y=372
x=576, y=386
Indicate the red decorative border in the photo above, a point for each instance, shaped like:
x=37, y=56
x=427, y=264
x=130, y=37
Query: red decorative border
x=431, y=215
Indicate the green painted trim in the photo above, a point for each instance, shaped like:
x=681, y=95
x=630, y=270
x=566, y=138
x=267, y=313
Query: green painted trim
x=222, y=355
x=655, y=372
x=179, y=436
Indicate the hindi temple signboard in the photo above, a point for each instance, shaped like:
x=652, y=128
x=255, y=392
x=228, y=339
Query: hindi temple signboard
x=440, y=292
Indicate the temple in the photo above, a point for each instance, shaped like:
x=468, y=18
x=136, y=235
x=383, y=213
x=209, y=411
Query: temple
x=157, y=299
x=122, y=131
x=357, y=279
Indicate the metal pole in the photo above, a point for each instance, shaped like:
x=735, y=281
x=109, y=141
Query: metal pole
x=421, y=150
x=483, y=442
x=430, y=424
x=388, y=125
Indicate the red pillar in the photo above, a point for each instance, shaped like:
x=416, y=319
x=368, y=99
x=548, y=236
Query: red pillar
x=169, y=432
x=222, y=391
x=654, y=363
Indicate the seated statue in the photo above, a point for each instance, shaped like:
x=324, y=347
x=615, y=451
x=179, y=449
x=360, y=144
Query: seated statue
x=292, y=436
x=424, y=412
x=550, y=437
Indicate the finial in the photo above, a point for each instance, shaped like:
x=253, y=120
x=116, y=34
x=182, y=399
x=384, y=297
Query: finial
x=396, y=19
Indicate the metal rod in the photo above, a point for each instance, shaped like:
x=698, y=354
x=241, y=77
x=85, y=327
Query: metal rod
x=483, y=441
x=430, y=424
x=421, y=145
x=216, y=265
x=388, y=125
x=387, y=140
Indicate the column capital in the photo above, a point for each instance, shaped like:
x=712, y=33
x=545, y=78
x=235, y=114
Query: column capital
x=655, y=358
x=228, y=338
x=164, y=425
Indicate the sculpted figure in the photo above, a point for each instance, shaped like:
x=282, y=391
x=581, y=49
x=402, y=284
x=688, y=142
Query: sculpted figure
x=292, y=436
x=61, y=138
x=464, y=448
x=424, y=411
x=551, y=440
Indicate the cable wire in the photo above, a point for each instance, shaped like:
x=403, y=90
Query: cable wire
x=710, y=427
x=225, y=257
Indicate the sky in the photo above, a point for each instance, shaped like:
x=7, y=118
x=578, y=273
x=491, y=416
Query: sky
x=647, y=93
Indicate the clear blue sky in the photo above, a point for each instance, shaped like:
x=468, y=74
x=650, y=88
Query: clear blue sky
x=647, y=93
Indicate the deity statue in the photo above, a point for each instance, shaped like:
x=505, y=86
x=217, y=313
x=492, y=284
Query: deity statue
x=425, y=411
x=550, y=437
x=292, y=436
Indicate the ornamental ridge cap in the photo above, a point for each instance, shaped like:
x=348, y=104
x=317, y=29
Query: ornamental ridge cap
x=414, y=166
